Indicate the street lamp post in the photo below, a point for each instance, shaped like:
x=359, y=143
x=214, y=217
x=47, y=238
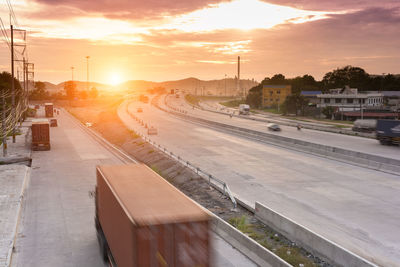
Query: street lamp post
x=87, y=73
x=72, y=71
x=225, y=84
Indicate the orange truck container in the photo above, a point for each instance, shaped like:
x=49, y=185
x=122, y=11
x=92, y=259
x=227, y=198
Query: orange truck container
x=142, y=220
x=40, y=134
x=48, y=108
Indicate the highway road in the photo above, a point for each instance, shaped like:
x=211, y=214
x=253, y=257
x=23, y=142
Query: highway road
x=57, y=227
x=355, y=207
x=360, y=144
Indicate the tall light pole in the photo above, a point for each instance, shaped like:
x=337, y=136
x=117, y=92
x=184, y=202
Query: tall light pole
x=87, y=73
x=72, y=71
x=225, y=84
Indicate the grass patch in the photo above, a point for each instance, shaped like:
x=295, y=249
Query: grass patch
x=156, y=169
x=193, y=100
x=233, y=103
x=293, y=256
x=150, y=151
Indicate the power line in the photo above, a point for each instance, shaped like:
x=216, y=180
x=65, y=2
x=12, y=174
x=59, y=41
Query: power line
x=12, y=12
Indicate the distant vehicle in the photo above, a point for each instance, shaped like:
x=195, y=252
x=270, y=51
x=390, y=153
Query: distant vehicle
x=244, y=109
x=177, y=96
x=88, y=124
x=37, y=106
x=53, y=123
x=49, y=110
x=141, y=220
x=139, y=110
x=273, y=127
x=152, y=131
x=144, y=99
x=388, y=132
x=367, y=126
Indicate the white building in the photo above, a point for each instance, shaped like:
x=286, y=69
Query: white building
x=348, y=99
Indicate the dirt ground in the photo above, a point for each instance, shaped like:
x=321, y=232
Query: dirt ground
x=103, y=116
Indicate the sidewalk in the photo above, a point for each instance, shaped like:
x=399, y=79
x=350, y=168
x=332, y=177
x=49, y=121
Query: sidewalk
x=13, y=179
x=20, y=151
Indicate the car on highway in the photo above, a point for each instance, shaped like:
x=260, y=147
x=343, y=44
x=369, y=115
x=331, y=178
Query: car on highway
x=139, y=110
x=273, y=127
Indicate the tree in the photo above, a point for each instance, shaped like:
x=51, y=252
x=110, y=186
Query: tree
x=254, y=96
x=295, y=103
x=93, y=93
x=70, y=89
x=83, y=94
x=40, y=92
x=352, y=76
x=328, y=112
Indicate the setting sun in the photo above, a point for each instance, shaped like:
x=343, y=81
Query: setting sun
x=115, y=79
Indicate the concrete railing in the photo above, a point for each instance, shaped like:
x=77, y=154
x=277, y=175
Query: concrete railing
x=318, y=245
x=246, y=245
x=344, y=155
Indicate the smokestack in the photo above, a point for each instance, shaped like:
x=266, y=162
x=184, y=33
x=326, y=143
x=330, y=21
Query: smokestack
x=238, y=77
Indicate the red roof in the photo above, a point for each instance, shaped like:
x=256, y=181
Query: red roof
x=371, y=114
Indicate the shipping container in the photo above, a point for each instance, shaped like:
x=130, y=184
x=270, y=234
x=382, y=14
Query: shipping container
x=142, y=220
x=48, y=107
x=40, y=134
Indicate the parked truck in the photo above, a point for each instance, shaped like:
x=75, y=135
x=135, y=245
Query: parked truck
x=142, y=220
x=40, y=134
x=244, y=109
x=388, y=132
x=48, y=108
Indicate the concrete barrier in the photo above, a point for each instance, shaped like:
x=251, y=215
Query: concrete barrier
x=246, y=245
x=318, y=245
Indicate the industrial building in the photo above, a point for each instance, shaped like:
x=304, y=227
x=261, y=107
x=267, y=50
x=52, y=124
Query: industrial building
x=349, y=99
x=275, y=95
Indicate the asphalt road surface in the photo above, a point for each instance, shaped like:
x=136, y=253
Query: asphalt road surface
x=356, y=207
x=57, y=227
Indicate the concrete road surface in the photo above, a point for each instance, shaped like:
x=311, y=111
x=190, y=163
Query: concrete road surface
x=58, y=219
x=355, y=207
x=360, y=144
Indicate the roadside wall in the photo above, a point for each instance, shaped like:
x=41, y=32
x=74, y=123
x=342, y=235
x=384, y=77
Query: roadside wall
x=317, y=244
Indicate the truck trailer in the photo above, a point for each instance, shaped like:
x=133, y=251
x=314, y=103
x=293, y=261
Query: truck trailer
x=142, y=220
x=388, y=132
x=40, y=134
x=48, y=108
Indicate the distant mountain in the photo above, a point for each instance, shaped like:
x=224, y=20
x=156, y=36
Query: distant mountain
x=189, y=85
x=193, y=86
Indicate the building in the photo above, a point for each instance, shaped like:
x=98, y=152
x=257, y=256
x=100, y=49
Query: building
x=275, y=95
x=392, y=99
x=311, y=96
x=349, y=99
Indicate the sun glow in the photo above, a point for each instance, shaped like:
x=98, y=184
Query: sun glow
x=114, y=79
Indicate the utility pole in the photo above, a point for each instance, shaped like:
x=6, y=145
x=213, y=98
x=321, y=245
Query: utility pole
x=13, y=113
x=87, y=73
x=3, y=122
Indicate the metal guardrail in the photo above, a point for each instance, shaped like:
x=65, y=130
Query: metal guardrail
x=212, y=181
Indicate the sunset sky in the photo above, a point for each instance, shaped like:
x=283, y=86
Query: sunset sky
x=161, y=40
